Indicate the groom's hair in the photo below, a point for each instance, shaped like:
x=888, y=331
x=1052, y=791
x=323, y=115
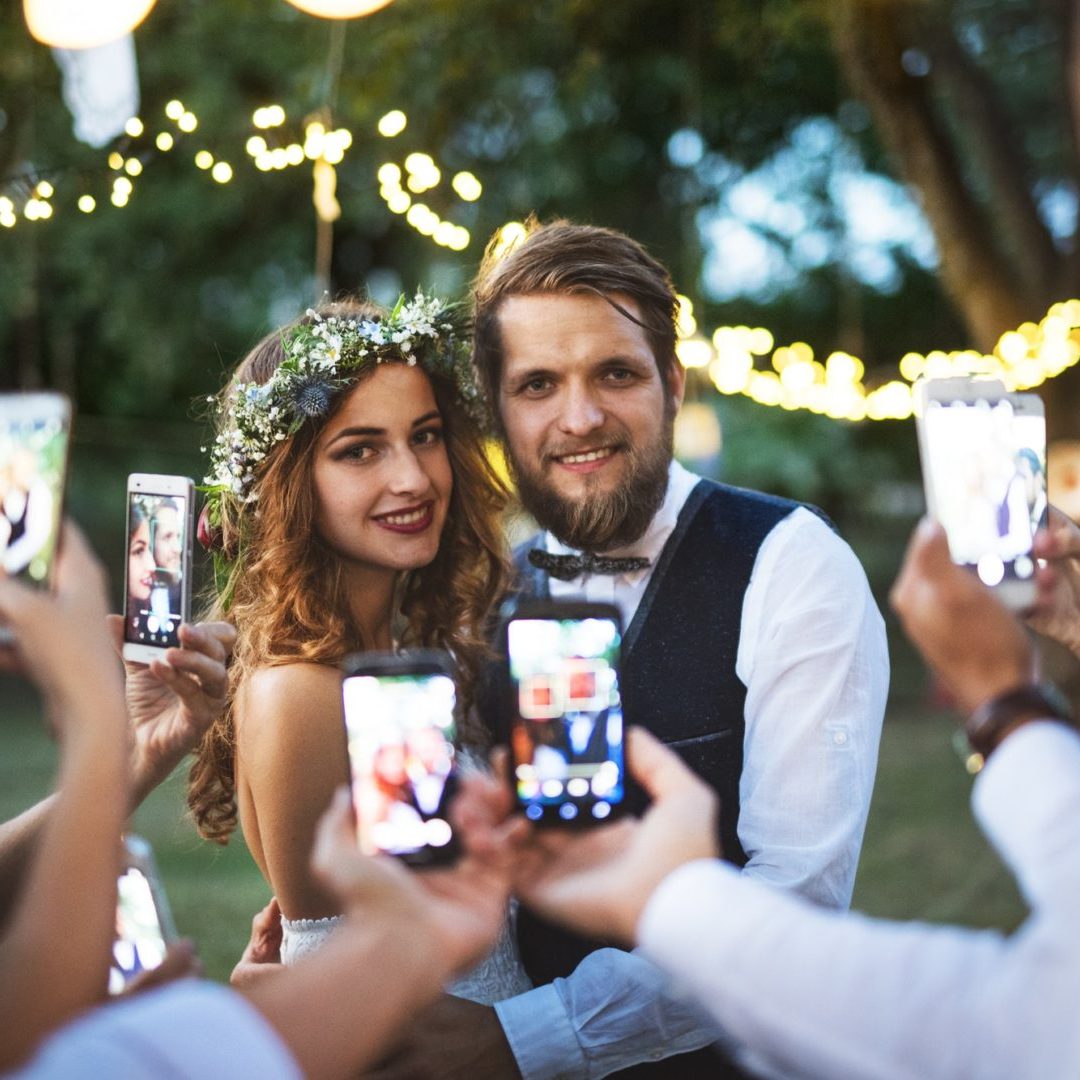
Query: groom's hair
x=562, y=257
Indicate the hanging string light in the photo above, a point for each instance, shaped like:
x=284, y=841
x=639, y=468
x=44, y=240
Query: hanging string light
x=83, y=24
x=339, y=9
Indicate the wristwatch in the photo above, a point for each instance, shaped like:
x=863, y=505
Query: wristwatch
x=994, y=719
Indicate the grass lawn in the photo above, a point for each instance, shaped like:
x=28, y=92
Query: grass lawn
x=923, y=856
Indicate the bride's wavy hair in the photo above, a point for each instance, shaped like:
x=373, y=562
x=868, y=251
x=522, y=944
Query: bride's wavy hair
x=287, y=594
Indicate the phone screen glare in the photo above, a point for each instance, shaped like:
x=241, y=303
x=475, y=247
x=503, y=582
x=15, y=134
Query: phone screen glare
x=987, y=468
x=567, y=739
x=400, y=731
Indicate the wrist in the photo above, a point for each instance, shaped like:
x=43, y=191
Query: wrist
x=995, y=719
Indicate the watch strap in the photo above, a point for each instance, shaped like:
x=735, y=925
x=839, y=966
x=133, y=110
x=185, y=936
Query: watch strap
x=994, y=719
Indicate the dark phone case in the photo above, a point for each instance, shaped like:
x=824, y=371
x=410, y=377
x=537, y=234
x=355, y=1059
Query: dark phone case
x=557, y=610
x=414, y=662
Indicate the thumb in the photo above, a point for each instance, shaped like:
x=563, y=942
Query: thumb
x=660, y=771
x=927, y=557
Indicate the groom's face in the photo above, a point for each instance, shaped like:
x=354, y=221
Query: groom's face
x=587, y=416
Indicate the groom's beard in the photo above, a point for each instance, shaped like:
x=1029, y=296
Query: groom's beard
x=602, y=520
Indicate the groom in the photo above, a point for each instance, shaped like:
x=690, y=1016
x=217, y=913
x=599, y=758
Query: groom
x=752, y=644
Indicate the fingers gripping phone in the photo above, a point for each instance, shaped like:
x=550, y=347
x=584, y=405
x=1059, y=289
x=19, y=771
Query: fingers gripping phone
x=399, y=725
x=34, y=432
x=983, y=456
x=144, y=926
x=157, y=566
x=566, y=723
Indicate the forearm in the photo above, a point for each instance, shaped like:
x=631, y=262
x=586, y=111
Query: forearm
x=18, y=842
x=823, y=994
x=339, y=1009
x=54, y=956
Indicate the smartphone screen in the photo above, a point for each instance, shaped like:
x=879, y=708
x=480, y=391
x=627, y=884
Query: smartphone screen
x=400, y=731
x=985, y=484
x=140, y=935
x=33, y=458
x=566, y=735
x=158, y=528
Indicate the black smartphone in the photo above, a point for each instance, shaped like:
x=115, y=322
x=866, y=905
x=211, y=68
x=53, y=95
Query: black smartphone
x=400, y=730
x=566, y=722
x=157, y=563
x=144, y=926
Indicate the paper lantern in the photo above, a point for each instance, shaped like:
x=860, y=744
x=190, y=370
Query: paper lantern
x=83, y=24
x=339, y=9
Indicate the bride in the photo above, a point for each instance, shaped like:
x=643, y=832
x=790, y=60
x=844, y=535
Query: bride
x=350, y=507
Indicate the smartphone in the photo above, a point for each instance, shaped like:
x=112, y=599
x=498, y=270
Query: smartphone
x=34, y=435
x=980, y=481
x=566, y=722
x=1029, y=418
x=144, y=926
x=157, y=566
x=400, y=731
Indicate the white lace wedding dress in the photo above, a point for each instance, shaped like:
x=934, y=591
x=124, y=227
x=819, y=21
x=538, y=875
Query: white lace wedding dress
x=499, y=975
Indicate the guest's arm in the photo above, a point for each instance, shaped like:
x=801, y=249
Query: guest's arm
x=54, y=956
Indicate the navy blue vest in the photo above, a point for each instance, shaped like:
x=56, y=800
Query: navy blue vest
x=678, y=680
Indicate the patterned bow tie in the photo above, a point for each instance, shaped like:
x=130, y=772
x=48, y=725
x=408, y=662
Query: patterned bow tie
x=568, y=567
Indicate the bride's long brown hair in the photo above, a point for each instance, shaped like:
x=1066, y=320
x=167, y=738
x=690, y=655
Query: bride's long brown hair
x=287, y=593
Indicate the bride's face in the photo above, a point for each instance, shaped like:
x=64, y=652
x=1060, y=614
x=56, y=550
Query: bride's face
x=382, y=474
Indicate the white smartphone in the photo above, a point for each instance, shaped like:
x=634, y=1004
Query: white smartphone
x=157, y=566
x=34, y=435
x=144, y=926
x=975, y=445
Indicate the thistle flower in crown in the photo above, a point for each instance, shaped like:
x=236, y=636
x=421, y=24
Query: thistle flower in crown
x=324, y=356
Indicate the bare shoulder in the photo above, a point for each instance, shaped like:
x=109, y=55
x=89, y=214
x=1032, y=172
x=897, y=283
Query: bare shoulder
x=289, y=701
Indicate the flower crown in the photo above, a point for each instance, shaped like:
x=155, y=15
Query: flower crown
x=324, y=356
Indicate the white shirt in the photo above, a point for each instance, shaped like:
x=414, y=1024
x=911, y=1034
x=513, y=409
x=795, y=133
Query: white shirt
x=818, y=994
x=189, y=1030
x=813, y=657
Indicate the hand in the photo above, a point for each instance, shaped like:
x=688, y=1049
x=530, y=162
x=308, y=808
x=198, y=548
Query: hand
x=598, y=880
x=173, y=701
x=453, y=1039
x=1057, y=607
x=262, y=955
x=181, y=962
x=58, y=638
x=461, y=909
x=962, y=630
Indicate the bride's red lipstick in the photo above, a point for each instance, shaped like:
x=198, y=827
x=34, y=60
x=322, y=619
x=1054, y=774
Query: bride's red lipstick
x=413, y=519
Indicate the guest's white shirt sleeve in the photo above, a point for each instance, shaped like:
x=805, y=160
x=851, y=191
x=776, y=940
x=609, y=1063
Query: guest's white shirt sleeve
x=818, y=994
x=813, y=656
x=190, y=1030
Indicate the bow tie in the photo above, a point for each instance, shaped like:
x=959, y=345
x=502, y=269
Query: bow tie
x=568, y=567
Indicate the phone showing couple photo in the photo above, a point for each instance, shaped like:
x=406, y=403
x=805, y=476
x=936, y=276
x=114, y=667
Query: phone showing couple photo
x=34, y=435
x=157, y=566
x=565, y=710
x=400, y=733
x=983, y=453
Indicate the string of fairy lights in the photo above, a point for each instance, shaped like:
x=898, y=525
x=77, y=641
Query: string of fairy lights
x=737, y=360
x=273, y=145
